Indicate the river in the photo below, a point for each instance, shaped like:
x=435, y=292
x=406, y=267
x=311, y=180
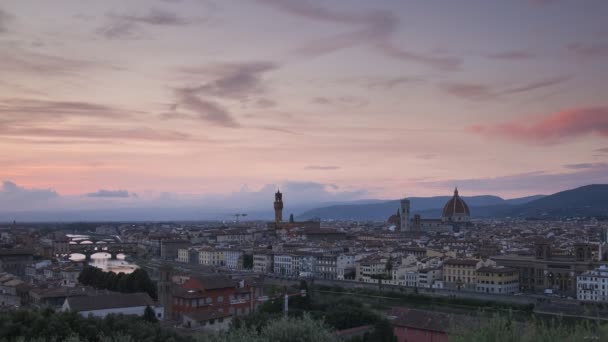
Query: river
x=102, y=260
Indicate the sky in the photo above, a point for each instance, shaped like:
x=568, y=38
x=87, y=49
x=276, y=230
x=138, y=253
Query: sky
x=107, y=104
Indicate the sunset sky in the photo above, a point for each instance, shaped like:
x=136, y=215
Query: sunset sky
x=119, y=103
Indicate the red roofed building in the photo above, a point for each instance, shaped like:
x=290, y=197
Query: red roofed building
x=411, y=325
x=217, y=293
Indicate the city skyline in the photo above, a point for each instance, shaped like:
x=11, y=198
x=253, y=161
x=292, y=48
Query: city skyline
x=112, y=104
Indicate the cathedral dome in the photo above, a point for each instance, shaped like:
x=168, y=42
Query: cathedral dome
x=456, y=209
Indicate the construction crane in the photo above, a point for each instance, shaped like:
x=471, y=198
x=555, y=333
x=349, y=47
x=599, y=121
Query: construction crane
x=237, y=215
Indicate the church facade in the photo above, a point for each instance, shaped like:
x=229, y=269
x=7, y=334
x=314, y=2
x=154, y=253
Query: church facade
x=454, y=214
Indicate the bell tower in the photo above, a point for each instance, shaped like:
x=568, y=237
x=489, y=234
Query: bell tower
x=278, y=207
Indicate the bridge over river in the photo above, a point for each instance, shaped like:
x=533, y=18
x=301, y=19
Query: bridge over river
x=111, y=248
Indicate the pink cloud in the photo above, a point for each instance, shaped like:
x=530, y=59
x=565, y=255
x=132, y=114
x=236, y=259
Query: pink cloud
x=552, y=129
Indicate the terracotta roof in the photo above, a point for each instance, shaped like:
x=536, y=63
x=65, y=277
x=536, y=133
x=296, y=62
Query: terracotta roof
x=214, y=282
x=468, y=262
x=420, y=319
x=456, y=206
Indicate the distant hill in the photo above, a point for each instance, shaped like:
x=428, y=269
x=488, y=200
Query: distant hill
x=589, y=200
x=426, y=206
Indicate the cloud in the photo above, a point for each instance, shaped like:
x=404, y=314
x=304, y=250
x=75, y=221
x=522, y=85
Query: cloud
x=127, y=26
x=28, y=110
x=64, y=119
x=512, y=55
x=205, y=110
x=347, y=101
x=372, y=28
x=5, y=17
x=265, y=103
x=96, y=132
x=580, y=166
x=119, y=29
x=16, y=59
x=551, y=129
x=12, y=195
x=536, y=85
x=234, y=81
x=476, y=91
x=588, y=51
x=468, y=91
x=602, y=150
x=529, y=182
x=154, y=17
x=102, y=193
x=322, y=167
x=391, y=82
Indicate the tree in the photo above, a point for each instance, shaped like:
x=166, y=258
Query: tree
x=138, y=281
x=248, y=261
x=303, y=329
x=150, y=315
x=383, y=332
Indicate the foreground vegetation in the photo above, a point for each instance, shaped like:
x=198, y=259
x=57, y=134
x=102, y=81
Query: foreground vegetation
x=422, y=300
x=49, y=326
x=504, y=329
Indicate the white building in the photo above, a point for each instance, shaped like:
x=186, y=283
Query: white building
x=345, y=266
x=411, y=278
x=283, y=264
x=428, y=277
x=593, y=285
x=115, y=303
x=233, y=259
x=212, y=320
x=183, y=255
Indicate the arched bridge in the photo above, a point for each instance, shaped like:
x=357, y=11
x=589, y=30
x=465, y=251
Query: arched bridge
x=112, y=248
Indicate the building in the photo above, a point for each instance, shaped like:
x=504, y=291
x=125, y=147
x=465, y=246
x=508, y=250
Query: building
x=233, y=259
x=369, y=268
x=345, y=267
x=211, y=257
x=263, y=262
x=592, y=285
x=497, y=280
x=412, y=325
x=114, y=303
x=283, y=264
x=212, y=320
x=61, y=245
x=455, y=213
x=15, y=260
x=456, y=210
x=548, y=270
x=429, y=276
x=279, y=224
x=215, y=293
x=278, y=208
x=462, y=273
x=169, y=248
x=188, y=255
x=404, y=215
x=326, y=267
